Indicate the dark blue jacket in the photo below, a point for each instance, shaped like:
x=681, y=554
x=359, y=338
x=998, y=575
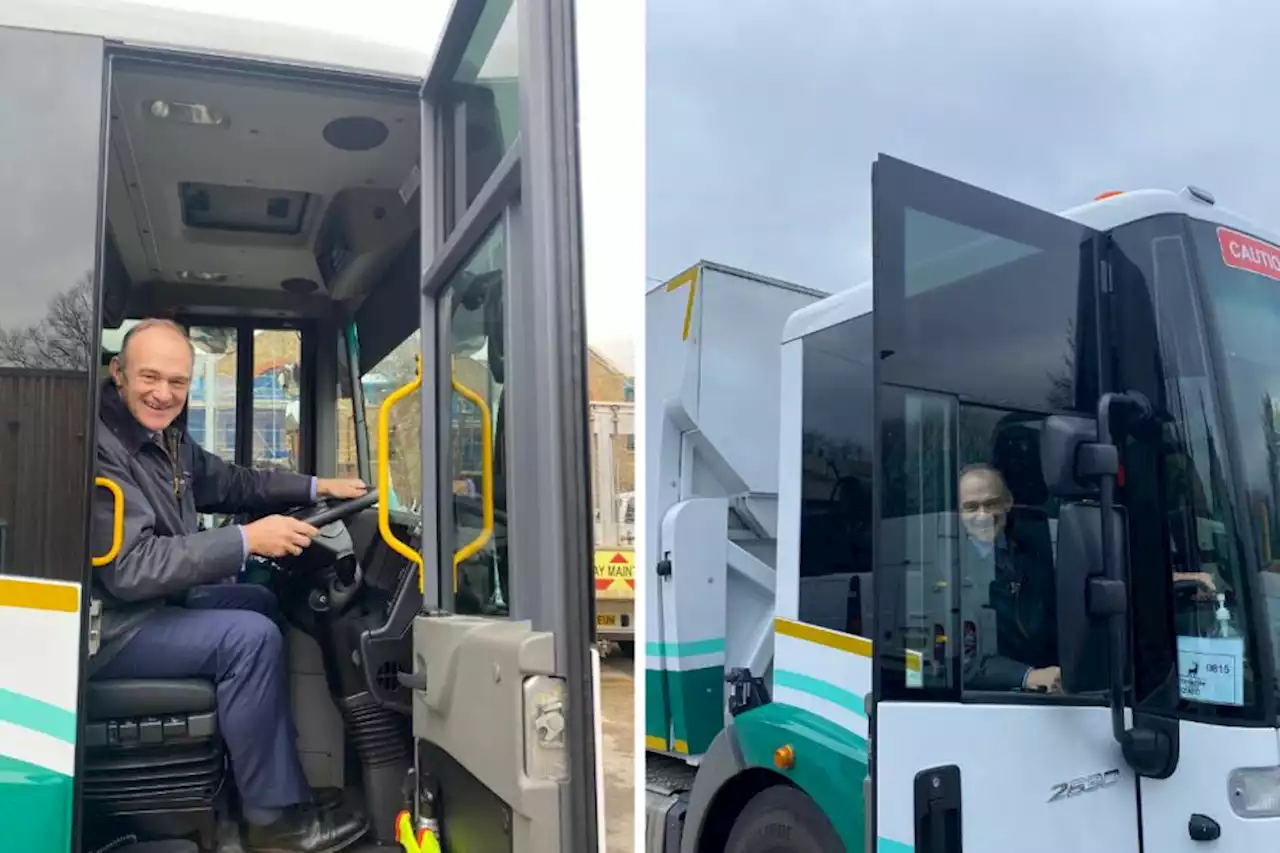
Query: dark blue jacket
x=1023, y=597
x=168, y=480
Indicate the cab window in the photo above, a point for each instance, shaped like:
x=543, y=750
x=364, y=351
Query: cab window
x=1245, y=307
x=469, y=384
x=214, y=396
x=476, y=361
x=484, y=116
x=1179, y=488
x=277, y=382
x=211, y=406
x=1007, y=638
x=838, y=430
x=404, y=454
x=982, y=334
x=973, y=526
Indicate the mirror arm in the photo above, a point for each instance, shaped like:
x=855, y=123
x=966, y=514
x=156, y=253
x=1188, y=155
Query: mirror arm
x=1103, y=462
x=1147, y=751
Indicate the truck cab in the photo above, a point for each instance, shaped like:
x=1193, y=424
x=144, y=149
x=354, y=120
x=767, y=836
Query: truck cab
x=1080, y=656
x=346, y=232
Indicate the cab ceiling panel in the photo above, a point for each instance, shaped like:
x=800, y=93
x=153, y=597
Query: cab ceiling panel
x=229, y=179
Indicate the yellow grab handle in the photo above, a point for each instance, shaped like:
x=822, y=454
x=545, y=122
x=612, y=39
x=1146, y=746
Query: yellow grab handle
x=424, y=842
x=486, y=475
x=117, y=521
x=384, y=472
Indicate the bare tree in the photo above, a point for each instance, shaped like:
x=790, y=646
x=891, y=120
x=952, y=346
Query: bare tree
x=1062, y=393
x=63, y=340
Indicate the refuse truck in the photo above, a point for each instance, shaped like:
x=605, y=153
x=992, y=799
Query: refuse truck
x=977, y=555
x=613, y=477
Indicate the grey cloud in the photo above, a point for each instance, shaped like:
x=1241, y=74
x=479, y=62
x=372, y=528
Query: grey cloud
x=763, y=117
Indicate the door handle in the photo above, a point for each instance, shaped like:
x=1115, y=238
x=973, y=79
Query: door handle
x=1203, y=828
x=937, y=810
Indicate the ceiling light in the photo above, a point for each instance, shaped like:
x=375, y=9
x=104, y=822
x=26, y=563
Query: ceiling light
x=181, y=113
x=190, y=275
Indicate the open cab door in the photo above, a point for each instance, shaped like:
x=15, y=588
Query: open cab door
x=983, y=327
x=503, y=711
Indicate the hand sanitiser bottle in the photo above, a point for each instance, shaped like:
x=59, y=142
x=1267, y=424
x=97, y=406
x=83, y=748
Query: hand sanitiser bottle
x=1222, y=617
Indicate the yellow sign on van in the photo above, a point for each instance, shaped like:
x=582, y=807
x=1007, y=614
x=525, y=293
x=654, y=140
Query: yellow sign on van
x=615, y=573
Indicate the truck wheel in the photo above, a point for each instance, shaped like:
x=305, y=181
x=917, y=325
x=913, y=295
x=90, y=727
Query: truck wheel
x=782, y=819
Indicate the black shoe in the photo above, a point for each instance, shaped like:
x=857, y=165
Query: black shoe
x=306, y=830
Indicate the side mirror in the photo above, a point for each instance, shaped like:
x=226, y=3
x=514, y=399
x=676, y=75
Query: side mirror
x=1073, y=461
x=1084, y=597
x=1061, y=440
x=1093, y=568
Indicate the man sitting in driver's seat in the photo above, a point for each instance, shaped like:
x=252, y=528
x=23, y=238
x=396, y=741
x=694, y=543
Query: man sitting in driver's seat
x=1021, y=592
x=163, y=616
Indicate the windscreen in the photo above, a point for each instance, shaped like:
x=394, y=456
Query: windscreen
x=1242, y=282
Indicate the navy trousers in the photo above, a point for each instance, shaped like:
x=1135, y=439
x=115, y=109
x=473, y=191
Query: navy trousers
x=227, y=633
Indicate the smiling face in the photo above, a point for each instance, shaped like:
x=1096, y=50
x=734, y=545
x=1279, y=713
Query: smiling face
x=984, y=503
x=153, y=373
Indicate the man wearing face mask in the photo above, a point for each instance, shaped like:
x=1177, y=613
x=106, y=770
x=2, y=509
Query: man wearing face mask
x=1021, y=593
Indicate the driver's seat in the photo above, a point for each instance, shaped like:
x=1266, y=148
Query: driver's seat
x=154, y=760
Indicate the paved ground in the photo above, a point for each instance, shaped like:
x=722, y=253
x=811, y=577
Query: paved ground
x=617, y=697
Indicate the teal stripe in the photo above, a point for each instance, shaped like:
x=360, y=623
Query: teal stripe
x=887, y=845
x=684, y=650
x=38, y=716
x=821, y=689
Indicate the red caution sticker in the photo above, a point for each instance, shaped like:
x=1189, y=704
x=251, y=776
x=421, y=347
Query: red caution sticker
x=1242, y=252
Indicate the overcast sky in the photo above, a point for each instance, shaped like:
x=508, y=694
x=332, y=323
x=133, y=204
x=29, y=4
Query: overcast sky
x=763, y=117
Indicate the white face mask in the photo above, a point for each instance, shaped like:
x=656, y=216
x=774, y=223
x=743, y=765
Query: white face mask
x=981, y=526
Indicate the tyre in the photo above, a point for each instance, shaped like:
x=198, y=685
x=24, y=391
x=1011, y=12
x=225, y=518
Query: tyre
x=782, y=819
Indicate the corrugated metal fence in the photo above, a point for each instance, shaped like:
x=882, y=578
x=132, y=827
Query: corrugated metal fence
x=43, y=478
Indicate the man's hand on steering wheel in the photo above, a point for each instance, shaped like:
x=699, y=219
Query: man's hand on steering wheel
x=340, y=489
x=278, y=536
x=285, y=535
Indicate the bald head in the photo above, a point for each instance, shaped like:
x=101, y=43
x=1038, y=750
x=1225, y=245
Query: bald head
x=150, y=327
x=153, y=372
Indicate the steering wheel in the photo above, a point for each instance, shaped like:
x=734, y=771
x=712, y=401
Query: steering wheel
x=346, y=577
x=319, y=514
x=332, y=512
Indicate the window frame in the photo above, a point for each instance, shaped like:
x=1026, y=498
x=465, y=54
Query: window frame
x=534, y=194
x=308, y=371
x=445, y=395
x=348, y=341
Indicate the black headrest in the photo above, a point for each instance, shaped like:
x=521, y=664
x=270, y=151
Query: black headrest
x=1015, y=452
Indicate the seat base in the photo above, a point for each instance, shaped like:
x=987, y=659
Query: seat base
x=114, y=699
x=154, y=763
